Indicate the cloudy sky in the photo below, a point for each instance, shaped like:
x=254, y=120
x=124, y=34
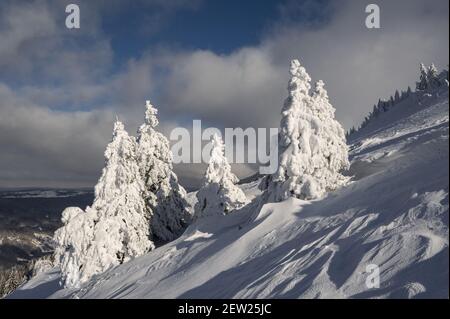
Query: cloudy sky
x=224, y=62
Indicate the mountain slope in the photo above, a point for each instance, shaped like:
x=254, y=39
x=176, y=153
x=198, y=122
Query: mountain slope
x=394, y=215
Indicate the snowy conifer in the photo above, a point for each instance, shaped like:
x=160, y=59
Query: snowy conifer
x=375, y=111
x=385, y=105
x=218, y=195
x=312, y=143
x=391, y=101
x=350, y=132
x=422, y=85
x=433, y=77
x=380, y=106
x=405, y=94
x=397, y=96
x=165, y=197
x=115, y=229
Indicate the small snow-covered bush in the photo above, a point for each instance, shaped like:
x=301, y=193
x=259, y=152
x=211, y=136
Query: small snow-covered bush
x=218, y=195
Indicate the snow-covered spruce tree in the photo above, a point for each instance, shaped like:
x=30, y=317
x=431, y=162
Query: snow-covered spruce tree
x=119, y=202
x=431, y=81
x=433, y=77
x=391, y=101
x=164, y=196
x=406, y=94
x=397, y=96
x=312, y=145
x=409, y=91
x=115, y=229
x=422, y=85
x=218, y=195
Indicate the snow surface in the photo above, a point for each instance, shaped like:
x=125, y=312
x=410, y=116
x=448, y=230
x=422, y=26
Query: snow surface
x=393, y=214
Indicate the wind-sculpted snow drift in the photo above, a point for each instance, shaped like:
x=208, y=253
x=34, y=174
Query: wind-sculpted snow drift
x=394, y=214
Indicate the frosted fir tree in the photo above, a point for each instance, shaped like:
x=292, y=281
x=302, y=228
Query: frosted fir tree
x=119, y=193
x=312, y=144
x=116, y=227
x=423, y=83
x=375, y=111
x=406, y=94
x=218, y=194
x=330, y=139
x=431, y=81
x=391, y=101
x=396, y=96
x=408, y=91
x=433, y=77
x=164, y=196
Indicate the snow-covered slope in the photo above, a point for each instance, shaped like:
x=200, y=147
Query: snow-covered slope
x=394, y=215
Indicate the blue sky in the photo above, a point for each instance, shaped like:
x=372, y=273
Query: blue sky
x=224, y=62
x=219, y=26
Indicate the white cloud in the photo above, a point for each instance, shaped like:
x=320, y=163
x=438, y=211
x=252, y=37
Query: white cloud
x=241, y=89
x=358, y=65
x=43, y=146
